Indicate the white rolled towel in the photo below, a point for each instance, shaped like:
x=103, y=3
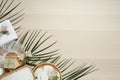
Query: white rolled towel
x=48, y=69
x=41, y=74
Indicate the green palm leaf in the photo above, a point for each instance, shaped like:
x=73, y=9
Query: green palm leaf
x=32, y=42
x=31, y=39
x=7, y=11
x=74, y=73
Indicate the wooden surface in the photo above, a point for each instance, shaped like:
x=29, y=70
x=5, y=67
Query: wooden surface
x=88, y=30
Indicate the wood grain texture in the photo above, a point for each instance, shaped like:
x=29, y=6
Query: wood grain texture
x=85, y=29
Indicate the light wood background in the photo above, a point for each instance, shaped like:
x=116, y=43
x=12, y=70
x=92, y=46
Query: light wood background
x=88, y=30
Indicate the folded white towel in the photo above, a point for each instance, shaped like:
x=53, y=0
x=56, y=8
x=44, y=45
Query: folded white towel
x=12, y=34
x=23, y=74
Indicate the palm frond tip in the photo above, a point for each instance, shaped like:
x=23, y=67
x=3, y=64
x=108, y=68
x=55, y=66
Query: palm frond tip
x=31, y=38
x=7, y=11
